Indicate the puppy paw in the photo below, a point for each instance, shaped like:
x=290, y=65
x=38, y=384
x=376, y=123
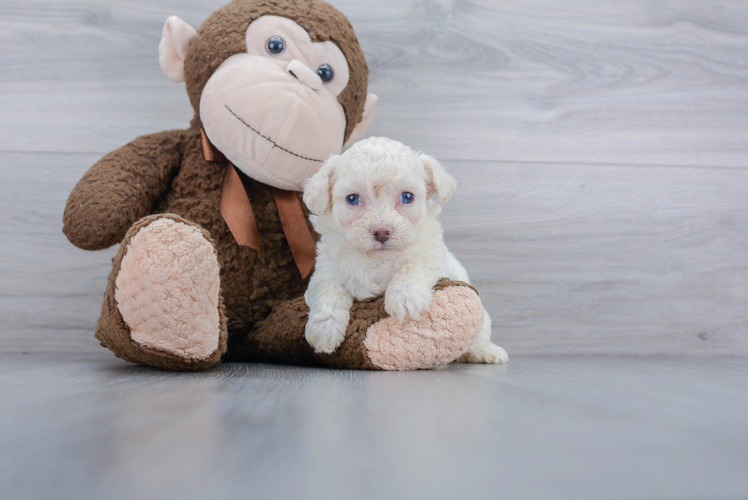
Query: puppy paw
x=488, y=353
x=325, y=332
x=404, y=301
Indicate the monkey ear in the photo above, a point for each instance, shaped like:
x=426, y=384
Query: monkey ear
x=172, y=50
x=318, y=188
x=439, y=181
x=358, y=132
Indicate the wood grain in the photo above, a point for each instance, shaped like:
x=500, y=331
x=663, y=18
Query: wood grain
x=569, y=259
x=591, y=428
x=636, y=82
x=601, y=149
x=606, y=259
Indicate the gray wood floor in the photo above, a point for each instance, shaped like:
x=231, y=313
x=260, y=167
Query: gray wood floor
x=601, y=149
x=91, y=427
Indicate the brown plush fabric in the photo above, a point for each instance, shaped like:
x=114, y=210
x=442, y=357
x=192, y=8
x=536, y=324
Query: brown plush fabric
x=133, y=182
x=263, y=313
x=445, y=283
x=121, y=188
x=229, y=24
x=280, y=338
x=166, y=175
x=352, y=353
x=114, y=334
x=252, y=285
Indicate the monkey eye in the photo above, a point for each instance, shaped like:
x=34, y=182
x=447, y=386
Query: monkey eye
x=407, y=197
x=353, y=199
x=275, y=45
x=325, y=73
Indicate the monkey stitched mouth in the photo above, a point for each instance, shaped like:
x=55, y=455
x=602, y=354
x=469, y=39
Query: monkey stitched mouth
x=269, y=139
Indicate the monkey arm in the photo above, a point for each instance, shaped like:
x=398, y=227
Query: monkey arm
x=121, y=188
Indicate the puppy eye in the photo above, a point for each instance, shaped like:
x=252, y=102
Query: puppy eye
x=407, y=197
x=275, y=45
x=353, y=199
x=325, y=73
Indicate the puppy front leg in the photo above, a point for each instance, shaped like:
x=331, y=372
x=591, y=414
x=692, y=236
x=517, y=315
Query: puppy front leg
x=483, y=350
x=410, y=291
x=329, y=314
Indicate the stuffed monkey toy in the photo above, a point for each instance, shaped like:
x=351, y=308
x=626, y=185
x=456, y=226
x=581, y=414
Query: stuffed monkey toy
x=215, y=243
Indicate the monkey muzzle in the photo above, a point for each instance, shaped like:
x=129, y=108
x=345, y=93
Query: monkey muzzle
x=273, y=119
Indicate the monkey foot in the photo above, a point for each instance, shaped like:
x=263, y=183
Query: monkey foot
x=163, y=305
x=439, y=337
x=167, y=290
x=373, y=340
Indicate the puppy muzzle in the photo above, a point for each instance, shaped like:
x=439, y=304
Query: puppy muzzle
x=381, y=234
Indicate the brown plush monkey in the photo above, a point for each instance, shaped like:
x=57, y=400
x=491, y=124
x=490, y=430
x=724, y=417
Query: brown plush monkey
x=215, y=241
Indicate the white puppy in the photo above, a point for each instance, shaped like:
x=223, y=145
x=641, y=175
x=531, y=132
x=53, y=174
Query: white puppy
x=379, y=232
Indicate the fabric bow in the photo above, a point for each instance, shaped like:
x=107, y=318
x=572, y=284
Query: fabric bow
x=236, y=210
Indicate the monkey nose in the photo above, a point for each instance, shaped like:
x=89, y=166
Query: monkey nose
x=304, y=74
x=381, y=234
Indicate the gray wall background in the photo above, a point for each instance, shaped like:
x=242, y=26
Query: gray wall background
x=601, y=150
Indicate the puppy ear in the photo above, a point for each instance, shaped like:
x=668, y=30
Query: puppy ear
x=439, y=182
x=317, y=189
x=172, y=51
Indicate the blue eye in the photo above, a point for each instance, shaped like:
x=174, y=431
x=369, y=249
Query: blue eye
x=275, y=45
x=407, y=198
x=353, y=199
x=325, y=73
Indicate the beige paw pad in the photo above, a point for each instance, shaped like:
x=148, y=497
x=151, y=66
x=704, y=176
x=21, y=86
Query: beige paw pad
x=441, y=335
x=168, y=288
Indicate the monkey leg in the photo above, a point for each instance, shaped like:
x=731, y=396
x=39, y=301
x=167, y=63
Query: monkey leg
x=163, y=304
x=373, y=340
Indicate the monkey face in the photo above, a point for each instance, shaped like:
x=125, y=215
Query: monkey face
x=277, y=95
x=269, y=109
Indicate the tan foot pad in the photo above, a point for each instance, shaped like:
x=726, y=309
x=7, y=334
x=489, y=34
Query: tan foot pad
x=168, y=290
x=439, y=337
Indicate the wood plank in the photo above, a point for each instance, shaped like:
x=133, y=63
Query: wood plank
x=569, y=259
x=606, y=259
x=50, y=292
x=594, y=428
x=639, y=82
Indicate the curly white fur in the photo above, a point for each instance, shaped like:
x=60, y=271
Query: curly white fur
x=352, y=260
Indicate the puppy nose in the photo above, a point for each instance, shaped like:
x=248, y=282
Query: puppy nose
x=381, y=234
x=304, y=74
